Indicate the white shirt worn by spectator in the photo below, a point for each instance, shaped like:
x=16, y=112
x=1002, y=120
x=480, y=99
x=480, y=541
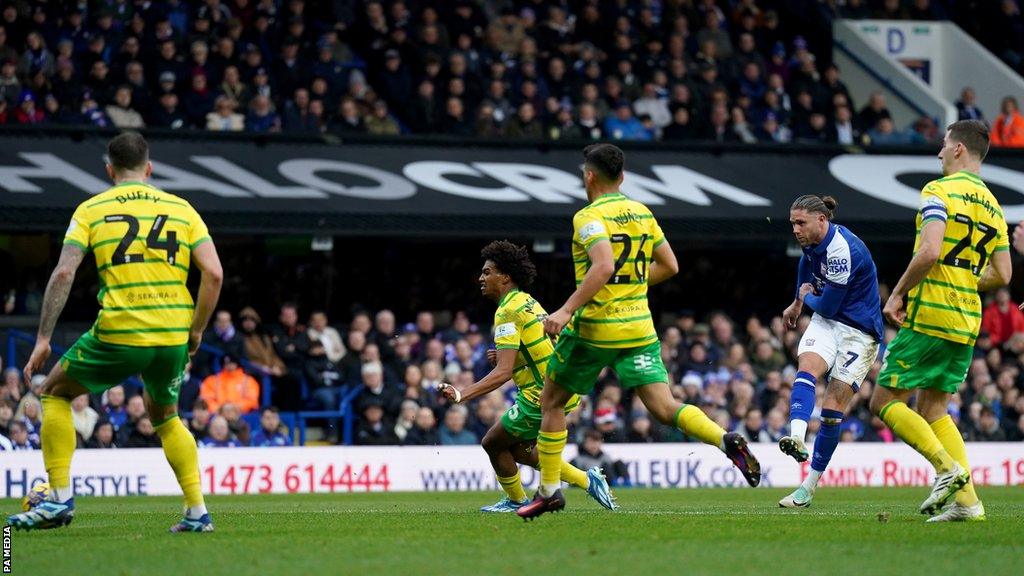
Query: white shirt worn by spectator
x=331, y=341
x=656, y=108
x=844, y=133
x=85, y=422
x=125, y=117
x=233, y=122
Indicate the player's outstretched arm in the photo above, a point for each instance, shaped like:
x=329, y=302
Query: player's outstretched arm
x=56, y=296
x=601, y=268
x=206, y=259
x=998, y=272
x=926, y=256
x=664, y=264
x=501, y=373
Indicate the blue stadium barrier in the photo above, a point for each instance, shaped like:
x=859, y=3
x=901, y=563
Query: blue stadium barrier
x=13, y=336
x=296, y=421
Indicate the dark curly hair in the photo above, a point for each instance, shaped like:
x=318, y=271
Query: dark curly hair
x=511, y=259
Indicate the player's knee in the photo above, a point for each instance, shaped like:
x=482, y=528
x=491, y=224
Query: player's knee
x=160, y=413
x=665, y=414
x=553, y=397
x=490, y=444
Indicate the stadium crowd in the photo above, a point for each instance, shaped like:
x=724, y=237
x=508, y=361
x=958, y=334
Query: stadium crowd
x=740, y=371
x=672, y=70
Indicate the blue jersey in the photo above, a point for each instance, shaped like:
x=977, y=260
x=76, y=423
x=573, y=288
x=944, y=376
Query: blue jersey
x=262, y=439
x=845, y=281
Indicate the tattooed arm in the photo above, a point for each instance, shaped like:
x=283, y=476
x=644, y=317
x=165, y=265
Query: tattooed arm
x=53, y=304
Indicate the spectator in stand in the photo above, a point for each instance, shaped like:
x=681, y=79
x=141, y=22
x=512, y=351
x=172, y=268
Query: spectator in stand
x=886, y=134
x=169, y=114
x=323, y=377
x=843, y=130
x=239, y=428
x=1001, y=319
x=453, y=432
x=376, y=390
x=653, y=105
x=261, y=116
x=752, y=427
x=259, y=349
x=406, y=419
x=19, y=437
x=219, y=435
x=222, y=336
x=987, y=428
x=27, y=112
x=233, y=87
x=873, y=111
x=121, y=112
x=380, y=122
x=11, y=390
x=1008, y=129
x=966, y=106
x=424, y=432
x=291, y=345
x=6, y=417
x=223, y=118
x=199, y=101
x=113, y=408
x=641, y=430
x=102, y=436
x=374, y=429
x=608, y=423
x=591, y=453
x=327, y=335
x=624, y=126
x=143, y=435
x=271, y=433
x=348, y=120
x=136, y=409
x=199, y=423
x=230, y=385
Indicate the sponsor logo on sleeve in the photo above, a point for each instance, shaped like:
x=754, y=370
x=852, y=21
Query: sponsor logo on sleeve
x=505, y=330
x=591, y=229
x=838, y=266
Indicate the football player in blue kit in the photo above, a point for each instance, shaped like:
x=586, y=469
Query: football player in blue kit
x=837, y=279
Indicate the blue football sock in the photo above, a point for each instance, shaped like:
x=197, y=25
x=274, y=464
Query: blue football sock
x=827, y=439
x=801, y=403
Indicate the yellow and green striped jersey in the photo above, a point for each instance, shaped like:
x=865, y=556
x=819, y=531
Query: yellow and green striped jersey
x=142, y=239
x=946, y=303
x=519, y=325
x=618, y=315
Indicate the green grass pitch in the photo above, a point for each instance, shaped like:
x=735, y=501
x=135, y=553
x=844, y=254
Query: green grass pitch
x=663, y=532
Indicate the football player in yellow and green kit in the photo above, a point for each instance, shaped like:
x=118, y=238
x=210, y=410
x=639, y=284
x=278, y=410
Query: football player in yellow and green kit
x=521, y=354
x=961, y=248
x=143, y=240
x=619, y=250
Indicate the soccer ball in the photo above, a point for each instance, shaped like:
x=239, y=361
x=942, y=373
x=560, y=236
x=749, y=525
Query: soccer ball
x=36, y=496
